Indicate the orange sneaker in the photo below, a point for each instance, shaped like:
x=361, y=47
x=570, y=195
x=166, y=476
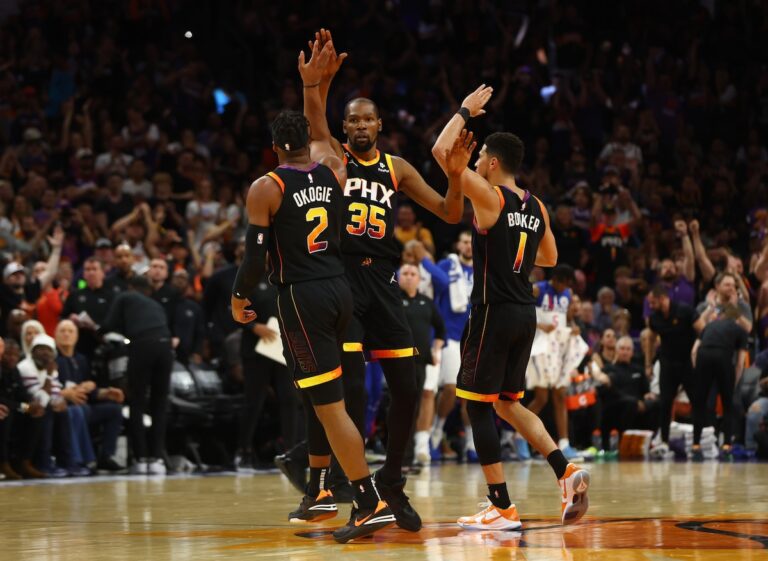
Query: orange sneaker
x=573, y=486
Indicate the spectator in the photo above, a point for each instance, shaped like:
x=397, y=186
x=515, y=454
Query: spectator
x=40, y=377
x=87, y=307
x=163, y=291
x=123, y=271
x=22, y=414
x=101, y=407
x=570, y=239
x=29, y=330
x=725, y=293
x=114, y=160
x=626, y=396
x=408, y=228
x=137, y=185
x=216, y=302
x=605, y=309
x=150, y=360
x=188, y=321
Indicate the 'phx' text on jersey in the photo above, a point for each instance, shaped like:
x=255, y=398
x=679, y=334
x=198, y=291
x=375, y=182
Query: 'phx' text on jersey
x=304, y=241
x=370, y=196
x=504, y=254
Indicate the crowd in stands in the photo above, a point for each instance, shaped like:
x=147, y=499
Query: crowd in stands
x=126, y=150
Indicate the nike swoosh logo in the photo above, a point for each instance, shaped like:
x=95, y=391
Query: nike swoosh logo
x=361, y=522
x=486, y=520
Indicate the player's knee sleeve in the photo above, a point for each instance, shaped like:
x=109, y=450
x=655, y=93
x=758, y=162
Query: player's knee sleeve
x=487, y=443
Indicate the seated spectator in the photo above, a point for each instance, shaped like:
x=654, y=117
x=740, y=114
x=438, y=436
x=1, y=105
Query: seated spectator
x=29, y=330
x=757, y=414
x=408, y=228
x=41, y=379
x=16, y=320
x=14, y=407
x=100, y=407
x=626, y=397
x=605, y=308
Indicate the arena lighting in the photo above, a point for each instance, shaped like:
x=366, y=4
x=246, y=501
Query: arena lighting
x=188, y=34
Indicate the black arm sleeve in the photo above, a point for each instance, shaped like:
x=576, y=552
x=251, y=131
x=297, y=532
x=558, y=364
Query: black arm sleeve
x=254, y=261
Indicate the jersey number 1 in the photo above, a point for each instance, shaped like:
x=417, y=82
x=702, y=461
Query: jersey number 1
x=520, y=252
x=317, y=213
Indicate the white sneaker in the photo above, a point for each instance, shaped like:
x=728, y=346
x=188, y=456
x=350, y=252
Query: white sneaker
x=492, y=518
x=661, y=452
x=156, y=467
x=138, y=468
x=574, y=485
x=421, y=448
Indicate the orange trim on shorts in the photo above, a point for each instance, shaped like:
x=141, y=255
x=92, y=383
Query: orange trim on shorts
x=391, y=166
x=319, y=379
x=393, y=353
x=512, y=396
x=472, y=396
x=352, y=347
x=277, y=179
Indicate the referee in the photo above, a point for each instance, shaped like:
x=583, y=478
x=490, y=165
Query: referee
x=142, y=320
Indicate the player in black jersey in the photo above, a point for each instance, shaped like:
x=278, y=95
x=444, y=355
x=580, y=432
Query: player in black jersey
x=296, y=211
x=371, y=259
x=511, y=234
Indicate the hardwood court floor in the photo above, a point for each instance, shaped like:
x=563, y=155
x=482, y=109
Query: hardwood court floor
x=649, y=511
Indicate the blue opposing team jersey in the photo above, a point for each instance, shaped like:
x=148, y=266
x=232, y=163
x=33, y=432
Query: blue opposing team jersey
x=454, y=322
x=551, y=301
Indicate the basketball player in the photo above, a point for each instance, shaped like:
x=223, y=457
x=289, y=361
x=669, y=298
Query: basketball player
x=511, y=234
x=296, y=210
x=371, y=257
x=558, y=353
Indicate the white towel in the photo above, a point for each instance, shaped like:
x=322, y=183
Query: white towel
x=458, y=289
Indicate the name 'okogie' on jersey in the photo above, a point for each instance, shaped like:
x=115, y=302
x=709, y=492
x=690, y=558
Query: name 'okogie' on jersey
x=501, y=275
x=371, y=197
x=304, y=242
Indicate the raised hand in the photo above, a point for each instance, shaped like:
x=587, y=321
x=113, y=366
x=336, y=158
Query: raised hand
x=458, y=156
x=477, y=100
x=681, y=228
x=335, y=61
x=312, y=71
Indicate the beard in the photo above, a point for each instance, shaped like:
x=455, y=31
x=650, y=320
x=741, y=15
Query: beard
x=362, y=145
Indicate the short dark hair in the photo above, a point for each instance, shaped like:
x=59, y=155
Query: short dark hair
x=361, y=100
x=290, y=131
x=94, y=259
x=563, y=273
x=140, y=283
x=660, y=290
x=507, y=148
x=721, y=276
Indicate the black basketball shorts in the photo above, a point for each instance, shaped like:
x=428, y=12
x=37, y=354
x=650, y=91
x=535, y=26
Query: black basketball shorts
x=495, y=349
x=314, y=316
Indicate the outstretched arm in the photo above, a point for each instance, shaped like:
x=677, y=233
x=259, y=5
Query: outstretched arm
x=449, y=207
x=486, y=201
x=316, y=76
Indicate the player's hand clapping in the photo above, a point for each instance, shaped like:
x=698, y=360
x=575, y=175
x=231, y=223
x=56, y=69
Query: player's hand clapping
x=312, y=71
x=458, y=156
x=477, y=100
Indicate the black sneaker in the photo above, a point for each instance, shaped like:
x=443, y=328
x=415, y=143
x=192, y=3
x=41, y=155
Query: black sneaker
x=343, y=493
x=318, y=509
x=392, y=493
x=295, y=473
x=363, y=523
x=109, y=464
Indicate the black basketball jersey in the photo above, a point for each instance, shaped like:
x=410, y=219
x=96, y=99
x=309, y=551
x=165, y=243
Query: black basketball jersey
x=304, y=241
x=370, y=199
x=503, y=255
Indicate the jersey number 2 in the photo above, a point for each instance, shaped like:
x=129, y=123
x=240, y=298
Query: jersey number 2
x=520, y=252
x=317, y=213
x=362, y=217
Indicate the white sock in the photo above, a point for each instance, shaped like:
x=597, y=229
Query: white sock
x=563, y=443
x=437, y=432
x=421, y=438
x=469, y=442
